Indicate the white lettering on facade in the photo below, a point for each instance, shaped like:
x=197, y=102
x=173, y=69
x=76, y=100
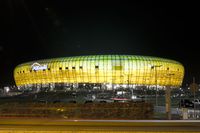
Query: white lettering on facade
x=36, y=66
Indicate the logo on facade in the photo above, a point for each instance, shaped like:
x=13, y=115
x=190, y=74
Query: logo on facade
x=36, y=66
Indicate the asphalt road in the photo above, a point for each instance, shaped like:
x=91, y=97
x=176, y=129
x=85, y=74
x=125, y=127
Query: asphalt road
x=54, y=125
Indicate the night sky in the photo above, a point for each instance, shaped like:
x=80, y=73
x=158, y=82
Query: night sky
x=39, y=29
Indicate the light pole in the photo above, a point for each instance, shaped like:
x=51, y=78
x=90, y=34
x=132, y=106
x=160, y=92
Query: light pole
x=155, y=68
x=168, y=97
x=128, y=81
x=194, y=88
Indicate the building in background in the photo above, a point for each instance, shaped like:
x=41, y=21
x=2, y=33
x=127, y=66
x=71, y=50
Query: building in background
x=101, y=72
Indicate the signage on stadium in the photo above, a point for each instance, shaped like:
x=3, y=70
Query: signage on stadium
x=36, y=66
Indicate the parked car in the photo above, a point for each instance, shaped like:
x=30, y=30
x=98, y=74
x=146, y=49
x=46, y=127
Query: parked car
x=196, y=103
x=103, y=98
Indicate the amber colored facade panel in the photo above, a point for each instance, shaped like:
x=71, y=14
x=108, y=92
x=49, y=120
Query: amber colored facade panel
x=116, y=69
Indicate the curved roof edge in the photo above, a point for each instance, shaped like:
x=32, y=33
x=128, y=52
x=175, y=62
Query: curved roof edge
x=60, y=58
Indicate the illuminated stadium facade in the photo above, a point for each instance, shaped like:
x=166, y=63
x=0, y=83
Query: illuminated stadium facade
x=104, y=72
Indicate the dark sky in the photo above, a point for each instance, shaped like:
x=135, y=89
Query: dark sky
x=38, y=29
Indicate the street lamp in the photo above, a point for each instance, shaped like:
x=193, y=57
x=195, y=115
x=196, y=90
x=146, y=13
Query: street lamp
x=155, y=68
x=128, y=81
x=168, y=97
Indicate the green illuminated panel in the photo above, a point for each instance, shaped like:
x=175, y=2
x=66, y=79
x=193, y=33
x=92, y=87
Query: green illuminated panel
x=117, y=69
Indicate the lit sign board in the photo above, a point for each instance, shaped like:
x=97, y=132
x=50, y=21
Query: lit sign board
x=36, y=66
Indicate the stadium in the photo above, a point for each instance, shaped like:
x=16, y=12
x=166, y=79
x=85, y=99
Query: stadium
x=99, y=72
